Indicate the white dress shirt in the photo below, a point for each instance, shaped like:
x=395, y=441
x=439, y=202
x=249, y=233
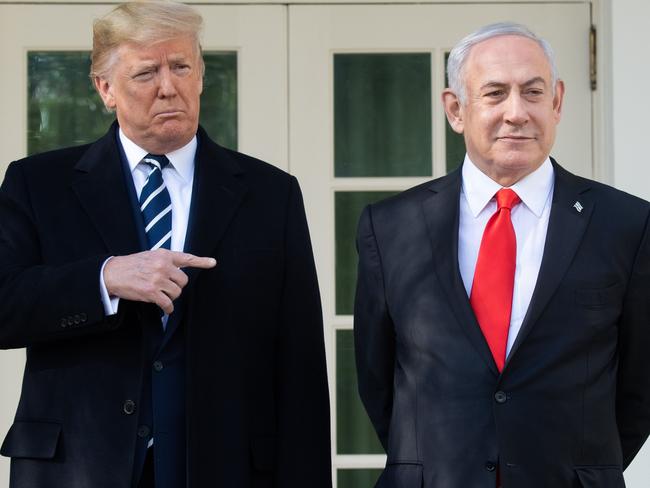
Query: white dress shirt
x=529, y=219
x=179, y=177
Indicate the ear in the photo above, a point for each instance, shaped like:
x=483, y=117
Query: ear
x=453, y=110
x=558, y=99
x=105, y=90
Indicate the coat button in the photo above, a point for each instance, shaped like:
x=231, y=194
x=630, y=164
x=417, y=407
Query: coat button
x=64, y=323
x=157, y=366
x=490, y=466
x=143, y=431
x=77, y=319
x=129, y=407
x=70, y=321
x=83, y=317
x=500, y=397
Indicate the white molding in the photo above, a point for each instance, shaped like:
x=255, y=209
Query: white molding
x=603, y=96
x=298, y=2
x=360, y=461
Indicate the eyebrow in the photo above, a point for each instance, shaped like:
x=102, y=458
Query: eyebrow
x=500, y=84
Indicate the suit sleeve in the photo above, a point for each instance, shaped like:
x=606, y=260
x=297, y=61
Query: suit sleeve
x=304, y=452
x=633, y=385
x=41, y=301
x=374, y=338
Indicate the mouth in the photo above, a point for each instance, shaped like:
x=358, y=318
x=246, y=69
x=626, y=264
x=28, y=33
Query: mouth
x=167, y=114
x=515, y=138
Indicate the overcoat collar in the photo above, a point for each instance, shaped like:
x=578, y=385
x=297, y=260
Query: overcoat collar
x=102, y=191
x=218, y=192
x=101, y=188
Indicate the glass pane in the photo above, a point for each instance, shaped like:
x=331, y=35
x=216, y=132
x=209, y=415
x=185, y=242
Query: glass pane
x=454, y=142
x=64, y=110
x=382, y=114
x=357, y=478
x=347, y=210
x=219, y=98
x=354, y=432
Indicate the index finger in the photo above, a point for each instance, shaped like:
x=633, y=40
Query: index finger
x=186, y=260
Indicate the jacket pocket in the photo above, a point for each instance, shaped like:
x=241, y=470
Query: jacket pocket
x=263, y=453
x=597, y=298
x=600, y=476
x=401, y=475
x=36, y=440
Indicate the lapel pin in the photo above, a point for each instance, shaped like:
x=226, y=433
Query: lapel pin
x=578, y=206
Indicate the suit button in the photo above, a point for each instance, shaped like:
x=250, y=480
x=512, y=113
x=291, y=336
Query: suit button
x=64, y=323
x=70, y=321
x=83, y=317
x=129, y=407
x=500, y=397
x=77, y=319
x=490, y=466
x=143, y=431
x=157, y=366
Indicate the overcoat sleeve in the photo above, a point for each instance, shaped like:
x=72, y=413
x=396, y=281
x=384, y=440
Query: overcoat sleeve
x=304, y=453
x=374, y=338
x=41, y=301
x=633, y=384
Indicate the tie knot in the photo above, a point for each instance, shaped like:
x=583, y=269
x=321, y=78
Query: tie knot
x=507, y=198
x=156, y=160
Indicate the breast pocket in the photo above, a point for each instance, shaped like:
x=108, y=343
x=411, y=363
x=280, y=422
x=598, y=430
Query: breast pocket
x=600, y=298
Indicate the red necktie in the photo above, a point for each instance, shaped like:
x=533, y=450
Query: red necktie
x=494, y=277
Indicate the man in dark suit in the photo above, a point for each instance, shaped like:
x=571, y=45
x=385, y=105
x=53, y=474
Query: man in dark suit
x=165, y=290
x=502, y=318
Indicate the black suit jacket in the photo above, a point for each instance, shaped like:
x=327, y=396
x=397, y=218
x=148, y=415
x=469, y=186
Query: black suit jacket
x=572, y=405
x=256, y=388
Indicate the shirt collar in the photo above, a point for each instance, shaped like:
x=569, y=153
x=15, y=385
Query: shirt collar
x=182, y=160
x=533, y=189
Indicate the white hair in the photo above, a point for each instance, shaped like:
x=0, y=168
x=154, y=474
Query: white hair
x=460, y=52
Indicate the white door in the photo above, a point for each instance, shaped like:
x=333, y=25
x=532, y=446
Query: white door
x=47, y=100
x=366, y=121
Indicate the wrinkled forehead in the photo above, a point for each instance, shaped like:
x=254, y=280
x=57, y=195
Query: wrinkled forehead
x=129, y=54
x=507, y=59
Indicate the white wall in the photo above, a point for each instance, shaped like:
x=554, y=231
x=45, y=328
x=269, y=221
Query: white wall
x=630, y=72
x=631, y=100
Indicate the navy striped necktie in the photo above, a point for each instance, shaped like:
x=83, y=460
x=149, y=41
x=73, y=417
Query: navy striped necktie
x=156, y=205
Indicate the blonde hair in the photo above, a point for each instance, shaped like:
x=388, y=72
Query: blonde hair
x=141, y=22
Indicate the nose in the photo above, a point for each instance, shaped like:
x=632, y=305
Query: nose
x=166, y=86
x=515, y=112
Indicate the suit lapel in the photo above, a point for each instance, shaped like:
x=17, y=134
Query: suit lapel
x=570, y=213
x=441, y=212
x=101, y=189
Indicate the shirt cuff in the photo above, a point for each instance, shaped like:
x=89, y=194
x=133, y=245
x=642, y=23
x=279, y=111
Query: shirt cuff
x=110, y=303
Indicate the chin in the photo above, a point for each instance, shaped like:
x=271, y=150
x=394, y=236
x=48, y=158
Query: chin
x=175, y=132
x=520, y=160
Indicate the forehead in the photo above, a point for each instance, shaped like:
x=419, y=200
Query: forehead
x=177, y=48
x=507, y=59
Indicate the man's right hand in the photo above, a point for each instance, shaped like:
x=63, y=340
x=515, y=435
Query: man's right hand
x=151, y=276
